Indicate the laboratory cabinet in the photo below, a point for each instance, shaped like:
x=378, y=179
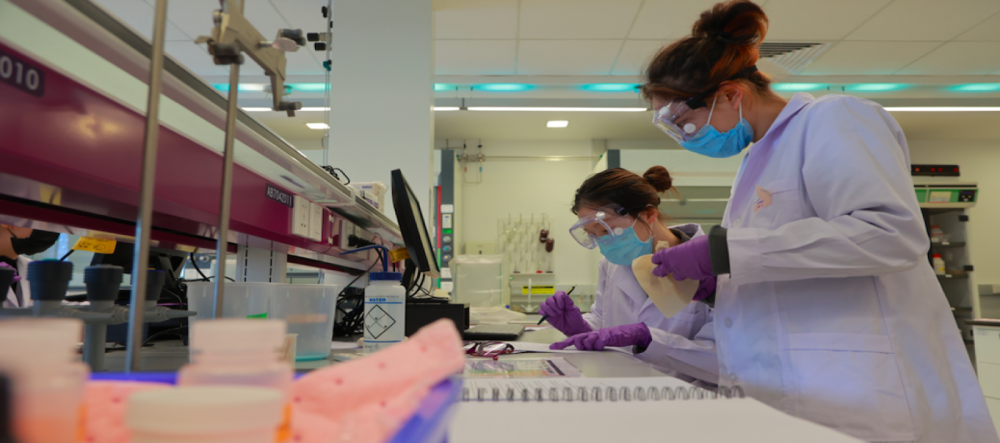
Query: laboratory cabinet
x=944, y=205
x=987, y=334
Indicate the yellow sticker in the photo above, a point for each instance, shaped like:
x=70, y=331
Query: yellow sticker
x=98, y=245
x=539, y=290
x=399, y=255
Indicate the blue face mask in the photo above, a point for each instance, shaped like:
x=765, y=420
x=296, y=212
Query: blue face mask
x=626, y=247
x=709, y=141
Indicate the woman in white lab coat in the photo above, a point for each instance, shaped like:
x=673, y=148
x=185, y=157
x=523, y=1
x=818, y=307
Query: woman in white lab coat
x=827, y=307
x=618, y=213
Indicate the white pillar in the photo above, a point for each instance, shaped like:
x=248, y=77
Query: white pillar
x=382, y=93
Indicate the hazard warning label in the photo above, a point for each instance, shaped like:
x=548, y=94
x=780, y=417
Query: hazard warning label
x=378, y=321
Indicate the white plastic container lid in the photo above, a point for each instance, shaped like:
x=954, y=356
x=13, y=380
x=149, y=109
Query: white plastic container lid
x=39, y=341
x=205, y=410
x=235, y=334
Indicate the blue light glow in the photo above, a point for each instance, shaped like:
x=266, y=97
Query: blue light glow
x=877, y=87
x=443, y=87
x=307, y=87
x=504, y=87
x=976, y=87
x=799, y=86
x=610, y=87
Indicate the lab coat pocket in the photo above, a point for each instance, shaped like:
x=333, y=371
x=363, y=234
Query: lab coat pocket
x=849, y=382
x=776, y=203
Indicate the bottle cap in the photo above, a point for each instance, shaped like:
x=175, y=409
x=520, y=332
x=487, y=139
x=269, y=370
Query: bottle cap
x=238, y=335
x=102, y=282
x=49, y=279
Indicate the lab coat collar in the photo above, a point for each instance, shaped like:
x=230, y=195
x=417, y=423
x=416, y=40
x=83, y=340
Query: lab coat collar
x=625, y=280
x=798, y=101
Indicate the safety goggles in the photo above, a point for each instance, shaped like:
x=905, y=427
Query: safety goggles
x=488, y=348
x=592, y=231
x=678, y=119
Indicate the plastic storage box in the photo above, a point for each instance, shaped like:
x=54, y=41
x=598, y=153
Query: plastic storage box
x=308, y=310
x=372, y=192
x=242, y=300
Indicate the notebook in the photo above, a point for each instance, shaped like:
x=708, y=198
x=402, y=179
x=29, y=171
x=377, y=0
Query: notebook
x=609, y=409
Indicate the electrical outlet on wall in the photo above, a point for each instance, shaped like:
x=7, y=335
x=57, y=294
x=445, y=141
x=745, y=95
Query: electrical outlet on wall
x=301, y=213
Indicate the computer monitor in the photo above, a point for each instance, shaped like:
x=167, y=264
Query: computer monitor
x=411, y=225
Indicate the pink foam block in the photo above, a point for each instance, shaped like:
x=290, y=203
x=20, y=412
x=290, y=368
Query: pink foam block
x=369, y=399
x=106, y=407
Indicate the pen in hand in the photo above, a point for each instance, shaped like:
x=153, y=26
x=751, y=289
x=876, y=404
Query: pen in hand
x=546, y=317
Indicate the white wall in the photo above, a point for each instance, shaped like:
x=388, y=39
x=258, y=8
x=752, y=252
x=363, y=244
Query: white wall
x=530, y=186
x=979, y=162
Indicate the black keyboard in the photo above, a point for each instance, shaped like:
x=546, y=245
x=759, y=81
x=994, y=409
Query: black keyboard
x=493, y=332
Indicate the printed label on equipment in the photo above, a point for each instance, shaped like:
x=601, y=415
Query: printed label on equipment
x=940, y=197
x=539, y=290
x=378, y=321
x=98, y=245
x=21, y=74
x=399, y=255
x=279, y=196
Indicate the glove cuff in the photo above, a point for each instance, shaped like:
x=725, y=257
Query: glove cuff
x=718, y=250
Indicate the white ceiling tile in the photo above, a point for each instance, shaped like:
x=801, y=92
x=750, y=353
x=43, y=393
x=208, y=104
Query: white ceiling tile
x=925, y=20
x=817, y=20
x=635, y=55
x=573, y=19
x=988, y=30
x=567, y=57
x=867, y=58
x=958, y=58
x=194, y=57
x=476, y=19
x=668, y=19
x=138, y=15
x=474, y=57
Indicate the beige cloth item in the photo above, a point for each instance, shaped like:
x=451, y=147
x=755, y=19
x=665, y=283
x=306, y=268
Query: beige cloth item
x=670, y=296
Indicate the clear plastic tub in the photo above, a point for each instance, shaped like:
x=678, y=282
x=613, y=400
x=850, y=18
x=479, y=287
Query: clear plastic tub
x=242, y=300
x=308, y=311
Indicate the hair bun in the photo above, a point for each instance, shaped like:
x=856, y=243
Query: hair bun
x=737, y=22
x=659, y=178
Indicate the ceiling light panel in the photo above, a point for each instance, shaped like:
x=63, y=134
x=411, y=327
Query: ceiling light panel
x=318, y=125
x=557, y=124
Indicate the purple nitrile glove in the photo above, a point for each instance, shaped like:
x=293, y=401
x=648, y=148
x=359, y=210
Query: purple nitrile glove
x=690, y=259
x=706, y=288
x=625, y=335
x=17, y=278
x=564, y=315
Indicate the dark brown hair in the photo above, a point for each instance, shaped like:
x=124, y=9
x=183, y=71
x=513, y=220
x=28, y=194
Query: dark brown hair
x=623, y=188
x=723, y=44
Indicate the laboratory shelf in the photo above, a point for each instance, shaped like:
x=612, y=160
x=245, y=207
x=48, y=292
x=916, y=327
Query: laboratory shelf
x=943, y=245
x=74, y=154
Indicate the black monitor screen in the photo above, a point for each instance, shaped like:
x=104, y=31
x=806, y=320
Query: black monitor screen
x=411, y=225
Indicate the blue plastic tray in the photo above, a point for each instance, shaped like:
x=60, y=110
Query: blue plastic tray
x=429, y=423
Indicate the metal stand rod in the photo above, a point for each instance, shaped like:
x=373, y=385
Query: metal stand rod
x=93, y=346
x=222, y=244
x=143, y=223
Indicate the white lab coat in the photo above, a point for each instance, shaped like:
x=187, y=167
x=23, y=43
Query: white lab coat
x=832, y=312
x=682, y=346
x=25, y=287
